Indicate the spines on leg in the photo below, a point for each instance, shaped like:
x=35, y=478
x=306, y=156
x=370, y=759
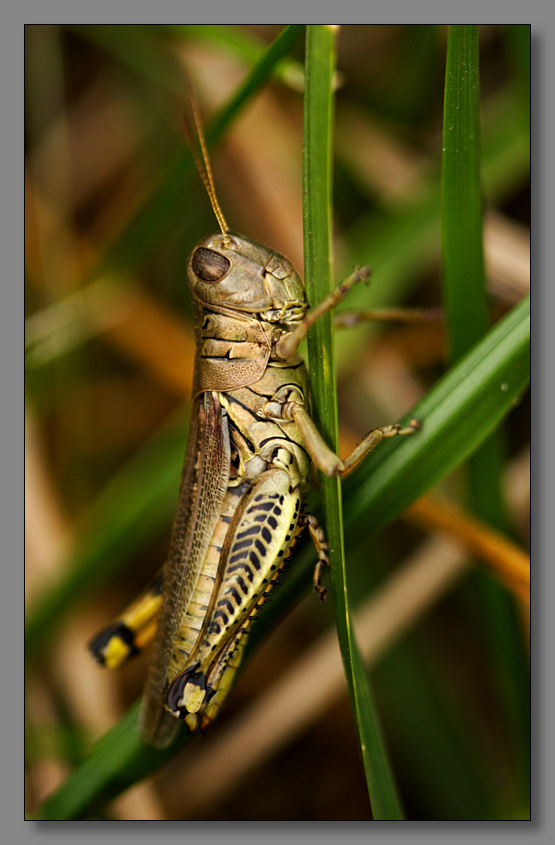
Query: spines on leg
x=257, y=543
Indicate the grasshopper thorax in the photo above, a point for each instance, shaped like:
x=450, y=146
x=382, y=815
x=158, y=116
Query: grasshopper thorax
x=232, y=271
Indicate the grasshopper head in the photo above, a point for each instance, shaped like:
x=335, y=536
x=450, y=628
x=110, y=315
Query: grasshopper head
x=232, y=271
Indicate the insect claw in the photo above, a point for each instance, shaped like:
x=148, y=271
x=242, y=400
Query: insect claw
x=364, y=273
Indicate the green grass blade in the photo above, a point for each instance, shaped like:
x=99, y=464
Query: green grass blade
x=458, y=414
x=245, y=46
x=317, y=240
x=465, y=299
x=467, y=320
x=117, y=761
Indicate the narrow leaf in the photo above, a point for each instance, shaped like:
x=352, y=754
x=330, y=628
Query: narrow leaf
x=317, y=239
x=466, y=306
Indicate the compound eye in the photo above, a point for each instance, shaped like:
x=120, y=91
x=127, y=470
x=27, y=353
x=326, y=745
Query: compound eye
x=208, y=265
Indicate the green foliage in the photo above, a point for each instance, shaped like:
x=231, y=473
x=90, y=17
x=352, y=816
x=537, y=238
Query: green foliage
x=438, y=741
x=317, y=158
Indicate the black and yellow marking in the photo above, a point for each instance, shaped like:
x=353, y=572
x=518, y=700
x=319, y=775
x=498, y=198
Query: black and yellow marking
x=134, y=630
x=113, y=645
x=253, y=553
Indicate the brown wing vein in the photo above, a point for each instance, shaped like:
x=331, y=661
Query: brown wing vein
x=203, y=486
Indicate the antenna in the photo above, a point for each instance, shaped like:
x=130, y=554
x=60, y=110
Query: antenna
x=202, y=161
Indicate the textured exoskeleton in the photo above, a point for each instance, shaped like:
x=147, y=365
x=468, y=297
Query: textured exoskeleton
x=250, y=447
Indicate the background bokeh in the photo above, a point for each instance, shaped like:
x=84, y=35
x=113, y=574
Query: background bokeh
x=113, y=209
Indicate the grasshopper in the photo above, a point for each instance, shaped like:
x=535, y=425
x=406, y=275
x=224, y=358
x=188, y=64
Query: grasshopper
x=251, y=445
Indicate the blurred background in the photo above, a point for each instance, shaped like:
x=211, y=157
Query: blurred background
x=113, y=208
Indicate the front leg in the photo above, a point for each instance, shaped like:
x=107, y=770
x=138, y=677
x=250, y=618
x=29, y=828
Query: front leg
x=288, y=404
x=327, y=461
x=288, y=343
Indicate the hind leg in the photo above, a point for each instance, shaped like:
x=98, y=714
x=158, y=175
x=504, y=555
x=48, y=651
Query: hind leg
x=131, y=631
